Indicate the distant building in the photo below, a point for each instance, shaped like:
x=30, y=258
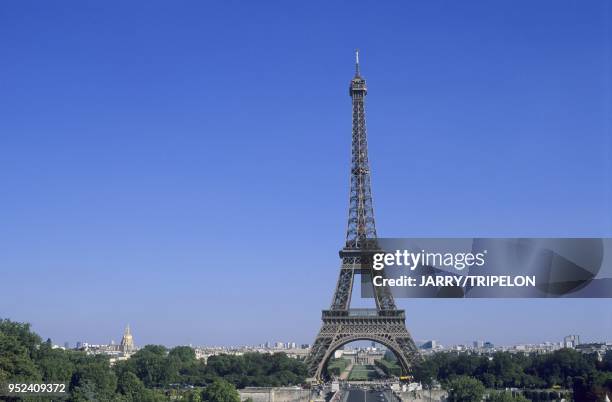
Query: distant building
x=488, y=345
x=429, y=345
x=478, y=344
x=571, y=341
x=127, y=342
x=367, y=356
x=598, y=349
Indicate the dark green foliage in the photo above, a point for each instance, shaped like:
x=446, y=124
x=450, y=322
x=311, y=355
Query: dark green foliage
x=15, y=361
x=130, y=385
x=153, y=367
x=21, y=332
x=336, y=366
x=54, y=365
x=390, y=369
x=593, y=387
x=565, y=368
x=133, y=390
x=152, y=374
x=155, y=373
x=502, y=370
x=465, y=389
x=256, y=369
x=220, y=391
x=607, y=361
x=183, y=354
x=93, y=375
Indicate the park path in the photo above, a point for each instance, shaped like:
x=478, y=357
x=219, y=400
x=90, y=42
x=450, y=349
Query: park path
x=344, y=375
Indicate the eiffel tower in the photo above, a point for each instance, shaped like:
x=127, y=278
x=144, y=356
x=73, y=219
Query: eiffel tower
x=384, y=324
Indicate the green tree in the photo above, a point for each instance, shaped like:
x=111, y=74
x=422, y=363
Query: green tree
x=93, y=376
x=256, y=369
x=194, y=396
x=21, y=332
x=220, y=391
x=86, y=390
x=607, y=361
x=465, y=389
x=15, y=361
x=184, y=354
x=151, y=366
x=130, y=385
x=54, y=365
x=592, y=387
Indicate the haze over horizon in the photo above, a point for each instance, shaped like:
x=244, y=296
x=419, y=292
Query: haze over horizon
x=184, y=167
x=151, y=341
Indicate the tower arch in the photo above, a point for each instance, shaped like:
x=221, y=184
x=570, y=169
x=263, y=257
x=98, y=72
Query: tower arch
x=321, y=372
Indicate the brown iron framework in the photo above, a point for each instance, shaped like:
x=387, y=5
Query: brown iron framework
x=341, y=324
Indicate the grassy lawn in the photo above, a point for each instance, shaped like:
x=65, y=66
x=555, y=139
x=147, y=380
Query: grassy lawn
x=363, y=373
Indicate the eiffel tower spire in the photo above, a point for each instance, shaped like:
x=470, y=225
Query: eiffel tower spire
x=361, y=224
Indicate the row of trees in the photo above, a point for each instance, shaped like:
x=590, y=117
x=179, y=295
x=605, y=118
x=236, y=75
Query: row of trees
x=588, y=378
x=468, y=389
x=335, y=367
x=154, y=373
x=391, y=369
x=156, y=366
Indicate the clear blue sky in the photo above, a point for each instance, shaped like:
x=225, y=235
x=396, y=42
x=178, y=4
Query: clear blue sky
x=183, y=166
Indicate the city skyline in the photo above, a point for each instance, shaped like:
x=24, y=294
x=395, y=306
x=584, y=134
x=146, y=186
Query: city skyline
x=275, y=342
x=158, y=177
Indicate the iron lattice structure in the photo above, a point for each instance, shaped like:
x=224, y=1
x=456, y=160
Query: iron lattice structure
x=341, y=324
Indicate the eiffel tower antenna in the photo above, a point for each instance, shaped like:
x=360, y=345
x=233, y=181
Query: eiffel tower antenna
x=385, y=324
